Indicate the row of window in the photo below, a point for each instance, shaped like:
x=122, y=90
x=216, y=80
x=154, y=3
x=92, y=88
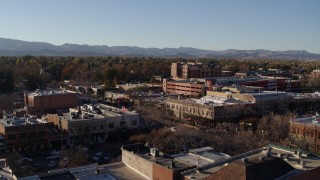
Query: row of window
x=190, y=109
x=23, y=136
x=308, y=133
x=110, y=126
x=180, y=90
x=183, y=86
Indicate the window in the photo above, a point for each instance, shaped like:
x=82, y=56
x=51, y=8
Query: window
x=22, y=135
x=94, y=128
x=101, y=127
x=41, y=134
x=12, y=137
x=111, y=125
x=134, y=122
x=32, y=135
x=122, y=123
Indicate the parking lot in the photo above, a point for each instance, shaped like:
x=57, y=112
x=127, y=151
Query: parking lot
x=38, y=163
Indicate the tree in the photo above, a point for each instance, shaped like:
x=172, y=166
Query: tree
x=6, y=81
x=76, y=156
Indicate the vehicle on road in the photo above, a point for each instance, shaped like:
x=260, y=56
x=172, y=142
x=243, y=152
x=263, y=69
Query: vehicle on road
x=52, y=164
x=53, y=157
x=25, y=160
x=64, y=162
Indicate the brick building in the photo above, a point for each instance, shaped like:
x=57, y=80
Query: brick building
x=152, y=164
x=306, y=132
x=315, y=74
x=305, y=103
x=93, y=124
x=25, y=133
x=195, y=70
x=40, y=102
x=270, y=162
x=185, y=87
x=275, y=84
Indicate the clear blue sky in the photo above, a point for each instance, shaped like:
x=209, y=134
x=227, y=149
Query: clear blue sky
x=206, y=24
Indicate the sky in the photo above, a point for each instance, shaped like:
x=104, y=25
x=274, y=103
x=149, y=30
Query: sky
x=204, y=24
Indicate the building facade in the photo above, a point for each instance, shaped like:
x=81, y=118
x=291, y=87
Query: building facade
x=208, y=110
x=40, y=102
x=306, y=132
x=275, y=84
x=25, y=133
x=264, y=101
x=188, y=88
x=315, y=74
x=195, y=70
x=92, y=124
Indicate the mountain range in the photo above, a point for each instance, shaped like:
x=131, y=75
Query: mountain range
x=11, y=47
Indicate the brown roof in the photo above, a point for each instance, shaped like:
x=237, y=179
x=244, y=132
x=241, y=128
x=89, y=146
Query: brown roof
x=254, y=168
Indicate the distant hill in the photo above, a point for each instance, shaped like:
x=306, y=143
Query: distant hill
x=11, y=47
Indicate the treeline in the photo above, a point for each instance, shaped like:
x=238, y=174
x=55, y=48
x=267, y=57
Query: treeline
x=29, y=72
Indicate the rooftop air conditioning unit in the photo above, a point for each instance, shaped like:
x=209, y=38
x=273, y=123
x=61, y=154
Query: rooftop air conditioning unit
x=154, y=152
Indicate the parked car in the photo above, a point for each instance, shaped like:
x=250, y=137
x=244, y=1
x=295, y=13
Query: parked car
x=25, y=160
x=52, y=164
x=53, y=157
x=97, y=157
x=64, y=162
x=107, y=157
x=54, y=152
x=36, y=167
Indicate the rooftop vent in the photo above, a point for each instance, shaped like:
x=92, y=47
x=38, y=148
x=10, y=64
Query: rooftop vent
x=154, y=152
x=171, y=164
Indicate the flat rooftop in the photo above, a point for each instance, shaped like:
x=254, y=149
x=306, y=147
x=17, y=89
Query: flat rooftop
x=214, y=101
x=50, y=92
x=161, y=159
x=257, y=155
x=21, y=121
x=311, y=121
x=269, y=94
x=99, y=111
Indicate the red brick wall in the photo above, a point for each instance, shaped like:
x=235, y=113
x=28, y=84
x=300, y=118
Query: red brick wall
x=161, y=173
x=53, y=101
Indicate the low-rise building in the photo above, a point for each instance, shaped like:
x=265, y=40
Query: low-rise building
x=209, y=108
x=91, y=124
x=26, y=133
x=195, y=70
x=270, y=162
x=306, y=132
x=40, y=102
x=130, y=86
x=184, y=87
x=264, y=101
x=305, y=103
x=151, y=163
x=315, y=74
